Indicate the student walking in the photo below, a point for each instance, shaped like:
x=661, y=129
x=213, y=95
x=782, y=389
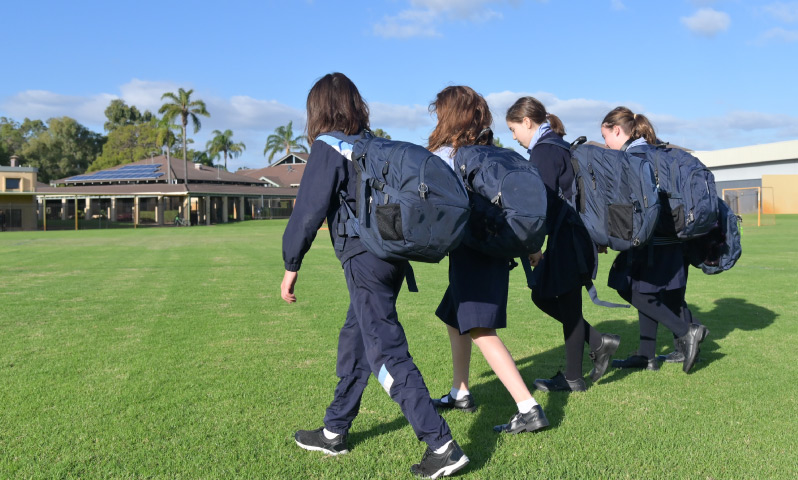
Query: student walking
x=571, y=256
x=652, y=278
x=372, y=340
x=474, y=305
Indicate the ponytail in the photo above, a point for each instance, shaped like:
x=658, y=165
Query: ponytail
x=635, y=125
x=530, y=107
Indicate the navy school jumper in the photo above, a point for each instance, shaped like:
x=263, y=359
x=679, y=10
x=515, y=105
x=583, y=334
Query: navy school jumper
x=653, y=279
x=371, y=340
x=570, y=259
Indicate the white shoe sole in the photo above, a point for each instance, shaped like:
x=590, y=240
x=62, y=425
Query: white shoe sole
x=319, y=449
x=448, y=470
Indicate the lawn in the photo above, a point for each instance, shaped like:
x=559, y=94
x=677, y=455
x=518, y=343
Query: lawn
x=168, y=353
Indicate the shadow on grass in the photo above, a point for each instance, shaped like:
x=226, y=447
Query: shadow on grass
x=728, y=315
x=356, y=437
x=496, y=405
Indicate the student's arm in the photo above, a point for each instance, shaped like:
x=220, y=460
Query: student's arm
x=320, y=183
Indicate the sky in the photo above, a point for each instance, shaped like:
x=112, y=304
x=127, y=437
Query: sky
x=708, y=74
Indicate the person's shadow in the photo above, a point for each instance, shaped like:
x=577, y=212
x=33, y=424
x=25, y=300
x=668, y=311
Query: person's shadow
x=494, y=408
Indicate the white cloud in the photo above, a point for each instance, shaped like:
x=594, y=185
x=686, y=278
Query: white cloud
x=778, y=34
x=618, y=5
x=423, y=19
x=408, y=24
x=707, y=22
x=582, y=116
x=387, y=116
x=42, y=105
x=785, y=12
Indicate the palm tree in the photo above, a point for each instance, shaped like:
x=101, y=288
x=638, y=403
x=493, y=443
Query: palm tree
x=165, y=138
x=283, y=139
x=222, y=142
x=181, y=105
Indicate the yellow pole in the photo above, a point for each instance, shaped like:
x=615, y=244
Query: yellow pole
x=759, y=210
x=44, y=207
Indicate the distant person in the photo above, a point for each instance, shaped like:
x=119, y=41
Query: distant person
x=474, y=305
x=571, y=256
x=372, y=339
x=653, y=278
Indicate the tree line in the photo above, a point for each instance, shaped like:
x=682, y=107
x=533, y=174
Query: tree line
x=62, y=147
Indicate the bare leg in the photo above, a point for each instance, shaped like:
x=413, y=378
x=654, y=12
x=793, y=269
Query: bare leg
x=502, y=363
x=461, y=358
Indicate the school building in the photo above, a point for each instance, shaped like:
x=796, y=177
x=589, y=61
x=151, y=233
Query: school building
x=17, y=196
x=765, y=174
x=159, y=191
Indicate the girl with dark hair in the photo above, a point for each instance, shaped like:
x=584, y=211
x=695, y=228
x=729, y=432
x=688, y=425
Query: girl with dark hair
x=475, y=303
x=570, y=259
x=372, y=340
x=652, y=278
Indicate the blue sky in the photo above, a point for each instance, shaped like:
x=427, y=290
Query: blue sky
x=709, y=74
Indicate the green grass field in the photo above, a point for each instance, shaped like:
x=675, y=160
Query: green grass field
x=168, y=353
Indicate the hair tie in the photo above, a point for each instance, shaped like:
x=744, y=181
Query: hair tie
x=483, y=132
x=548, y=115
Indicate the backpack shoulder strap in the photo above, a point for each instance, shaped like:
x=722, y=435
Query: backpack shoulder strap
x=555, y=140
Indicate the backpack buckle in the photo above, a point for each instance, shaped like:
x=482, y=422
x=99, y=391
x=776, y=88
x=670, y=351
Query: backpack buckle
x=423, y=189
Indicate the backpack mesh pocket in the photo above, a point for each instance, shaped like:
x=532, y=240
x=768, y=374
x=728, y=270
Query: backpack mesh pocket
x=389, y=221
x=621, y=220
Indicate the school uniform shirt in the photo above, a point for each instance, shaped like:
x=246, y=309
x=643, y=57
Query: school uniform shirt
x=651, y=268
x=570, y=258
x=327, y=173
x=478, y=284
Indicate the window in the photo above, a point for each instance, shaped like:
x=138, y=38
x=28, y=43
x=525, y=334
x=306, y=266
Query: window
x=12, y=183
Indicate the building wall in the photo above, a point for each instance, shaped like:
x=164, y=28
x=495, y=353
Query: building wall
x=17, y=197
x=785, y=193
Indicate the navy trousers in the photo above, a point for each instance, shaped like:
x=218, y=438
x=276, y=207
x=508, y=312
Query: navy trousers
x=373, y=341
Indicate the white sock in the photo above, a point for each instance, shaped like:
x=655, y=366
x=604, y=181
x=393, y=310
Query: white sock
x=458, y=394
x=444, y=447
x=527, y=405
x=329, y=435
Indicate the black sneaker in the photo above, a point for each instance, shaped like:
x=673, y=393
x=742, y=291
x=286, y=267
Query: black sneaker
x=465, y=404
x=315, y=440
x=601, y=356
x=558, y=383
x=531, y=421
x=434, y=465
x=637, y=361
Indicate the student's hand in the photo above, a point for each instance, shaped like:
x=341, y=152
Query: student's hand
x=602, y=249
x=287, y=287
x=534, y=258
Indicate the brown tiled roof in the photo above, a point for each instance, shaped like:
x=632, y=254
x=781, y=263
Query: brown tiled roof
x=282, y=175
x=196, y=174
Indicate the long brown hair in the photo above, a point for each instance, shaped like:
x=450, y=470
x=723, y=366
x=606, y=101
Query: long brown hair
x=334, y=104
x=633, y=124
x=463, y=119
x=530, y=107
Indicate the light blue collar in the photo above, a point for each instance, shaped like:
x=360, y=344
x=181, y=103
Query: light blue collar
x=543, y=129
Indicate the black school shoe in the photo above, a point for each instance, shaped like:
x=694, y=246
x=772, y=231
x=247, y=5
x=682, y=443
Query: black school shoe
x=601, y=356
x=316, y=441
x=674, y=357
x=558, y=383
x=465, y=404
x=531, y=421
x=689, y=344
x=435, y=465
x=637, y=361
